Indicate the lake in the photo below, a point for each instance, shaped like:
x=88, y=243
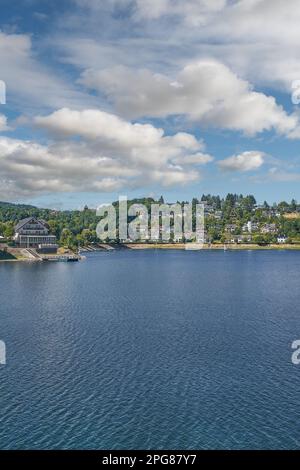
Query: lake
x=151, y=350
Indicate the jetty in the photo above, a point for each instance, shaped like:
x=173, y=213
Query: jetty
x=63, y=258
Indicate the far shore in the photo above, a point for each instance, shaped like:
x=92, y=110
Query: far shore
x=233, y=246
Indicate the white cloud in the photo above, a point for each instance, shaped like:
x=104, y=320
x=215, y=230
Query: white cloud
x=142, y=142
x=246, y=161
x=110, y=154
x=205, y=91
x=96, y=124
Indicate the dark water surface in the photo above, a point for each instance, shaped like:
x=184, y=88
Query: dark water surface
x=151, y=349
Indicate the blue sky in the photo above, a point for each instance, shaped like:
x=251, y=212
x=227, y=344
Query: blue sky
x=148, y=97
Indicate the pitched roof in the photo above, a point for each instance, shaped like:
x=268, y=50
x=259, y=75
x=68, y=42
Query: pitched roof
x=26, y=220
x=22, y=222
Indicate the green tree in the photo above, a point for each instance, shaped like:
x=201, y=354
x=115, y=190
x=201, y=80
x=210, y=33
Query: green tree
x=67, y=238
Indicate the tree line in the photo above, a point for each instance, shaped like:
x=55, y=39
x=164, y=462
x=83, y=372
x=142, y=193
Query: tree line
x=75, y=228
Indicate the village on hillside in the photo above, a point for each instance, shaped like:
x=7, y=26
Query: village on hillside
x=234, y=221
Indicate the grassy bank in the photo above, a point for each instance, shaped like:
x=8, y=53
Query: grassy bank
x=5, y=256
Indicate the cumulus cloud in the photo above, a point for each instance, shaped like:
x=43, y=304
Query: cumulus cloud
x=142, y=142
x=206, y=91
x=96, y=124
x=111, y=154
x=246, y=161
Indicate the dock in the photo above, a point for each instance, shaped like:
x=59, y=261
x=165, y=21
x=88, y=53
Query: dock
x=62, y=258
x=32, y=254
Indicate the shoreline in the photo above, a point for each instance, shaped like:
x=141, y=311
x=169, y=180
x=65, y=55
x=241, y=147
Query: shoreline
x=20, y=255
x=177, y=246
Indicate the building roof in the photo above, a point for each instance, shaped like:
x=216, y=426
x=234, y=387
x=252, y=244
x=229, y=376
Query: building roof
x=28, y=219
x=22, y=222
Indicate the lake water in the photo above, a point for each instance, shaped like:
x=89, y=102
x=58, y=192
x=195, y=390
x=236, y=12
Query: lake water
x=151, y=349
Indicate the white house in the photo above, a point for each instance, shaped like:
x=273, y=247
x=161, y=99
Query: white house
x=241, y=239
x=33, y=233
x=281, y=239
x=269, y=228
x=218, y=215
x=250, y=227
x=230, y=228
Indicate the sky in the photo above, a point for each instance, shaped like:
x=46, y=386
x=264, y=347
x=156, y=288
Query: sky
x=148, y=97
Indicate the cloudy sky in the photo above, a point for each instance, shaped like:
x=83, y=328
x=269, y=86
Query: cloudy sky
x=148, y=97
